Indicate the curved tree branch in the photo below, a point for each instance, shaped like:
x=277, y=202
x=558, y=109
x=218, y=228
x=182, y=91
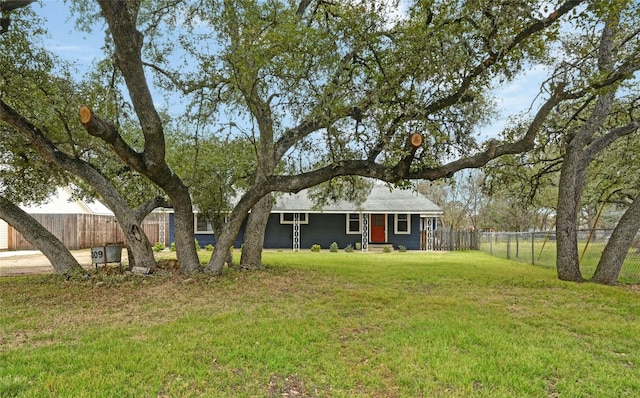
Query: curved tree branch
x=55, y=251
x=121, y=18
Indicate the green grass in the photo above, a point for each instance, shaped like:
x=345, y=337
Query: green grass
x=323, y=324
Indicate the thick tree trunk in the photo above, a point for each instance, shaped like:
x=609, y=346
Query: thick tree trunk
x=138, y=246
x=184, y=232
x=224, y=241
x=569, y=195
x=618, y=246
x=59, y=256
x=574, y=167
x=151, y=161
x=218, y=226
x=254, y=233
x=158, y=172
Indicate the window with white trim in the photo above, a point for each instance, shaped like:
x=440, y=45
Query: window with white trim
x=287, y=218
x=402, y=224
x=203, y=225
x=354, y=223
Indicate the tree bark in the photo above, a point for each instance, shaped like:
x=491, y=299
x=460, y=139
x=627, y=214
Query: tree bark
x=618, y=246
x=161, y=175
x=121, y=17
x=218, y=226
x=59, y=256
x=570, y=189
x=579, y=155
x=248, y=82
x=576, y=161
x=225, y=239
x=184, y=232
x=129, y=223
x=254, y=233
x=567, y=259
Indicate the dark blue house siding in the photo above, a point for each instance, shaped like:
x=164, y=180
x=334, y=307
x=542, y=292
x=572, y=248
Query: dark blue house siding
x=203, y=239
x=410, y=241
x=322, y=229
x=278, y=236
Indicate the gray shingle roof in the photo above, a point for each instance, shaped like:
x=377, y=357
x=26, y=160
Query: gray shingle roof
x=380, y=200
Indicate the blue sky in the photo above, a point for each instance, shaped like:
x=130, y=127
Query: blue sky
x=65, y=40
x=516, y=97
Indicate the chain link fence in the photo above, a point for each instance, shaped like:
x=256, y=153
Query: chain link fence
x=539, y=248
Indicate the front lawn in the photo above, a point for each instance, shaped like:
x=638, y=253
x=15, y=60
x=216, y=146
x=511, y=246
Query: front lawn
x=323, y=325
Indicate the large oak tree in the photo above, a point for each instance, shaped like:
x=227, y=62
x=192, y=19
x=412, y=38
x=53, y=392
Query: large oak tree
x=369, y=82
x=50, y=139
x=601, y=110
x=351, y=81
x=321, y=89
x=590, y=128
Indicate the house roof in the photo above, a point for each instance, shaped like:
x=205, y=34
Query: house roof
x=63, y=202
x=380, y=200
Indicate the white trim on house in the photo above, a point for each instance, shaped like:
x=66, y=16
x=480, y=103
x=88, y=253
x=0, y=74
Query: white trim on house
x=349, y=220
x=208, y=227
x=4, y=235
x=303, y=218
x=396, y=221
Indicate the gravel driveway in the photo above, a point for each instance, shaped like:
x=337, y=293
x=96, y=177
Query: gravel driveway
x=33, y=262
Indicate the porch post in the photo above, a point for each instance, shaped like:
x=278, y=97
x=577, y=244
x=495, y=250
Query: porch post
x=162, y=227
x=429, y=229
x=296, y=232
x=365, y=232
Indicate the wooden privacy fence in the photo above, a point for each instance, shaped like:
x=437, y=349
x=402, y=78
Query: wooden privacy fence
x=82, y=231
x=448, y=240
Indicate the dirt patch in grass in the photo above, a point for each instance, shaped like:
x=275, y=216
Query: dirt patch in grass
x=635, y=287
x=289, y=386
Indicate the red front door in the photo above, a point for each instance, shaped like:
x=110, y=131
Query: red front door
x=378, y=228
